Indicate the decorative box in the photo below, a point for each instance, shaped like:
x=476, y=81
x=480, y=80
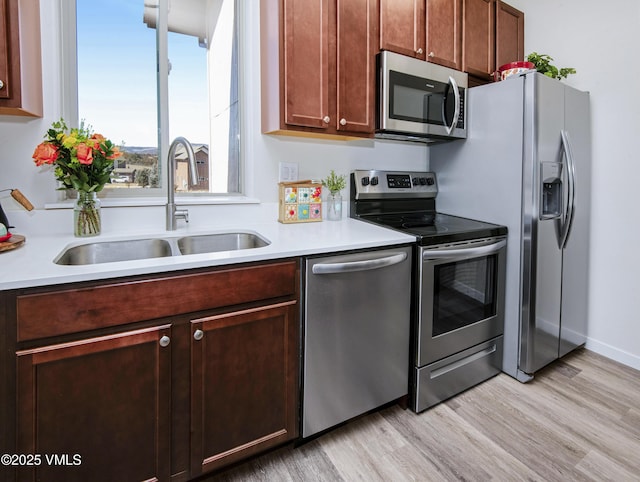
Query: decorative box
x=300, y=202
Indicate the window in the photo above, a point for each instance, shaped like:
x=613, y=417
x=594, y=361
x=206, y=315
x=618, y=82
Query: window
x=149, y=71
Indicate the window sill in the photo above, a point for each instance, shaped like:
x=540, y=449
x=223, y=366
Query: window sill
x=159, y=201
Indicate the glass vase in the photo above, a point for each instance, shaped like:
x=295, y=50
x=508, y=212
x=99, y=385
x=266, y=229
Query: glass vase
x=86, y=215
x=334, y=207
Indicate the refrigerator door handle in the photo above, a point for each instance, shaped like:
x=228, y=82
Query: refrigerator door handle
x=456, y=110
x=571, y=177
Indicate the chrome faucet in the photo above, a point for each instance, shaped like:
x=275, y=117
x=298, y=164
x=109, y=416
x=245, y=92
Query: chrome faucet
x=172, y=213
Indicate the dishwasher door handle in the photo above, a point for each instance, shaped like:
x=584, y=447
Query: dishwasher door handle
x=365, y=265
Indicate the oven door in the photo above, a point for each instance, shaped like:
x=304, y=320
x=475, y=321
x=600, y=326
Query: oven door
x=462, y=297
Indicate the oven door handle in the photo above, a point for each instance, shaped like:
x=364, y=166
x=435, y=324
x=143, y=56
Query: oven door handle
x=349, y=267
x=464, y=253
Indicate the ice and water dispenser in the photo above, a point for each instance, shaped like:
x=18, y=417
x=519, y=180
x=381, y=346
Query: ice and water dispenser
x=551, y=196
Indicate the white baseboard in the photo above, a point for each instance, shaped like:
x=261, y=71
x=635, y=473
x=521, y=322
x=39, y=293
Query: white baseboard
x=613, y=353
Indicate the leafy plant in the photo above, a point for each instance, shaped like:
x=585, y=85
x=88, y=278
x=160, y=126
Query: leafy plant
x=543, y=65
x=335, y=183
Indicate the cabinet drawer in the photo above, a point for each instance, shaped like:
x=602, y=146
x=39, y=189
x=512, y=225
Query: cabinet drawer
x=67, y=311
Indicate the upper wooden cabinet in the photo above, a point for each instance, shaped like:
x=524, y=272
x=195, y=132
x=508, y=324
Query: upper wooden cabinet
x=493, y=35
x=509, y=34
x=20, y=58
x=402, y=27
x=475, y=36
x=478, y=37
x=318, y=66
x=356, y=48
x=444, y=32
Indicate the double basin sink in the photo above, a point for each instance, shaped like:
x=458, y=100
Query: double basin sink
x=158, y=247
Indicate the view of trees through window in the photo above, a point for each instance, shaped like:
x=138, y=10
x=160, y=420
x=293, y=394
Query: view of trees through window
x=118, y=91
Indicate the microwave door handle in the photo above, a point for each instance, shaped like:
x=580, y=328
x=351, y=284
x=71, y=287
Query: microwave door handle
x=464, y=253
x=571, y=178
x=352, y=266
x=456, y=110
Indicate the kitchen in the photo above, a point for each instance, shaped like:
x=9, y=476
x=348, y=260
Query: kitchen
x=575, y=33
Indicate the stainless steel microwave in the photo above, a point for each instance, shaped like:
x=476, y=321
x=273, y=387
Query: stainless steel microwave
x=419, y=101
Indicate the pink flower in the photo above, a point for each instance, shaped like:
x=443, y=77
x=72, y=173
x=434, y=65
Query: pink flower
x=45, y=153
x=84, y=154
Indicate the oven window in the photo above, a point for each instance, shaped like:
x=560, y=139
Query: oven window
x=464, y=293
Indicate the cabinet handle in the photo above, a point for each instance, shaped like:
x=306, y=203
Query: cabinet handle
x=164, y=341
x=1, y=85
x=198, y=335
x=326, y=119
x=343, y=122
x=432, y=55
x=419, y=51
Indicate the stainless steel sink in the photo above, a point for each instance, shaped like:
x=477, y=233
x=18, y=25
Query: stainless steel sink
x=211, y=243
x=132, y=249
x=110, y=251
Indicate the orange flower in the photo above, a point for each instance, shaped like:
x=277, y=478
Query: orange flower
x=97, y=140
x=84, y=154
x=115, y=153
x=45, y=153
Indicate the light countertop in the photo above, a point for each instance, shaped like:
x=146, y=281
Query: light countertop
x=32, y=264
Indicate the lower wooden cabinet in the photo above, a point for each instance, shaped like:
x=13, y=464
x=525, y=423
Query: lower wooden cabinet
x=244, y=384
x=167, y=398
x=97, y=409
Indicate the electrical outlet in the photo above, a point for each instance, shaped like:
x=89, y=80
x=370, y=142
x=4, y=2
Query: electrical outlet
x=287, y=171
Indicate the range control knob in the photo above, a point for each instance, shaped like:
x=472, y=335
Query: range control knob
x=430, y=181
x=365, y=181
x=415, y=181
x=374, y=181
x=423, y=181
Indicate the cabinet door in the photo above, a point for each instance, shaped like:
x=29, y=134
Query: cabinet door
x=444, y=33
x=509, y=34
x=356, y=47
x=305, y=94
x=4, y=50
x=100, y=406
x=244, y=384
x=478, y=37
x=20, y=58
x=402, y=27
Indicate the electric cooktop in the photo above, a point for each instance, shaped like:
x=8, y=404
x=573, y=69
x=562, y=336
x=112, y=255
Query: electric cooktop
x=405, y=201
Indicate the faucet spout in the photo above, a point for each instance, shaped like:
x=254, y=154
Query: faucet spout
x=172, y=213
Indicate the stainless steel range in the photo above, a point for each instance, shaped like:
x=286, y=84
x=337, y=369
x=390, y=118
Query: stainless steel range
x=458, y=285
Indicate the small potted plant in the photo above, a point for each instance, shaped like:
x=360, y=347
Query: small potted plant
x=335, y=183
x=543, y=65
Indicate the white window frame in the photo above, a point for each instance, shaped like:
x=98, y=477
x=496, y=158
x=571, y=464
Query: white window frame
x=153, y=196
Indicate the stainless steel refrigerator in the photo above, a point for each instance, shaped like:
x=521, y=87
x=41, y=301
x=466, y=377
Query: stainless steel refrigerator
x=526, y=164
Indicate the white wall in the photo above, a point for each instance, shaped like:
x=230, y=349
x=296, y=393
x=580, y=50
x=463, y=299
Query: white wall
x=600, y=40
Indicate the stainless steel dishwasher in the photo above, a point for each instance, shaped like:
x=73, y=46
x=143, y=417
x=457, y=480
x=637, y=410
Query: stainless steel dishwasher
x=357, y=311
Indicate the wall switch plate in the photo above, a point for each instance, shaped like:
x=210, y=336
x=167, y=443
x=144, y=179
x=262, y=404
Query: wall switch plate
x=287, y=171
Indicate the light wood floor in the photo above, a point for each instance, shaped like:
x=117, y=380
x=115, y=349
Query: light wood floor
x=579, y=419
